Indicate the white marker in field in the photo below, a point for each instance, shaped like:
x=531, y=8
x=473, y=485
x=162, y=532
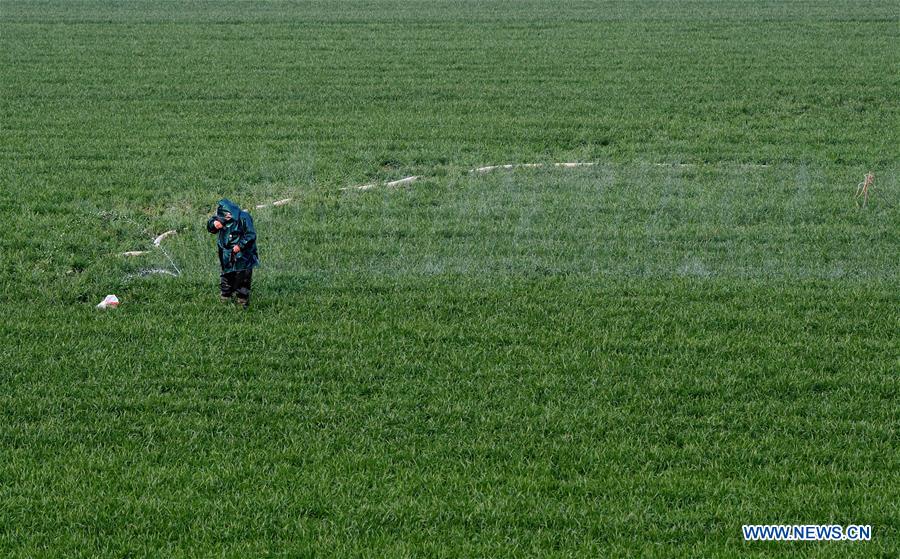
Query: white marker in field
x=567, y=164
x=158, y=240
x=486, y=169
x=405, y=180
x=398, y=182
x=574, y=164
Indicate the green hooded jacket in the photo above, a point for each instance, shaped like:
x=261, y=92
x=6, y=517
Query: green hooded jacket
x=239, y=231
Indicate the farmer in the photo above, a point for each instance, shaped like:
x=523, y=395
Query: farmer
x=237, y=250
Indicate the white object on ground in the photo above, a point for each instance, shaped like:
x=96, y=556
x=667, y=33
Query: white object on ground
x=399, y=182
x=567, y=164
x=162, y=237
x=483, y=169
x=688, y=165
x=408, y=180
x=511, y=166
x=493, y=167
x=135, y=253
x=574, y=164
x=404, y=180
x=275, y=203
x=363, y=187
x=110, y=301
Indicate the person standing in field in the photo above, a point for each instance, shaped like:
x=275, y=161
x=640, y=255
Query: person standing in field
x=236, y=243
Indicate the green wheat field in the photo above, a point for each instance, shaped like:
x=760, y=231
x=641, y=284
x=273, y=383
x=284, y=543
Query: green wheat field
x=630, y=359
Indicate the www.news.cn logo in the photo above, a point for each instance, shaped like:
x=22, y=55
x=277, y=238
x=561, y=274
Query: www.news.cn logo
x=807, y=532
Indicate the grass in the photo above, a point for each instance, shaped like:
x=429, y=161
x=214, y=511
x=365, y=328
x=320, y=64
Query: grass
x=629, y=359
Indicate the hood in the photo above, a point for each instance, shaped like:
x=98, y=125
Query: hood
x=226, y=205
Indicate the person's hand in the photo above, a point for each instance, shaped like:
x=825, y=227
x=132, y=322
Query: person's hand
x=218, y=224
x=236, y=249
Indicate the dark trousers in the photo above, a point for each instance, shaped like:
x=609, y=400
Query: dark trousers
x=237, y=283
